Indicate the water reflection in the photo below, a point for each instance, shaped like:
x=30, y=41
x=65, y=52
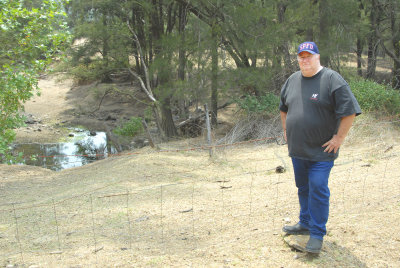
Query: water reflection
x=79, y=150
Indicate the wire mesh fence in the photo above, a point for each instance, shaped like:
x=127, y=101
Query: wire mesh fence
x=243, y=203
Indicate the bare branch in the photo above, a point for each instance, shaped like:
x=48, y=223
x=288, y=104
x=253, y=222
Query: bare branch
x=146, y=87
x=149, y=94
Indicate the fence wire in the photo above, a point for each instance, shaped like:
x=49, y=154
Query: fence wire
x=241, y=205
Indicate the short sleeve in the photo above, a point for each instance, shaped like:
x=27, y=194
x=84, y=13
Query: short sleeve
x=345, y=102
x=282, y=104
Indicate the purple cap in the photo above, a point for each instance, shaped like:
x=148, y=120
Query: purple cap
x=309, y=47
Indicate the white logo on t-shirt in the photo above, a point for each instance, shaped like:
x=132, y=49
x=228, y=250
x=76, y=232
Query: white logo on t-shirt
x=314, y=97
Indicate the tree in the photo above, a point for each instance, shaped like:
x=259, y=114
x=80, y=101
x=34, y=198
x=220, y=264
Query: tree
x=30, y=37
x=104, y=43
x=389, y=35
x=372, y=38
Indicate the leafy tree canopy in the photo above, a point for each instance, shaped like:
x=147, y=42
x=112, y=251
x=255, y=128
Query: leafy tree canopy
x=31, y=34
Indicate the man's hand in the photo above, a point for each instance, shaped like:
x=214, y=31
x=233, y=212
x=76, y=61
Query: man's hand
x=337, y=140
x=333, y=144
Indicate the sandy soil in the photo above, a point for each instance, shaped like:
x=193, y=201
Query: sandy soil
x=181, y=208
x=47, y=112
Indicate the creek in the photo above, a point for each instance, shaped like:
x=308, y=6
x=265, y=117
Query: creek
x=80, y=148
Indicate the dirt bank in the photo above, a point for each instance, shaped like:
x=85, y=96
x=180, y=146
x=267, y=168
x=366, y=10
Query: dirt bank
x=61, y=104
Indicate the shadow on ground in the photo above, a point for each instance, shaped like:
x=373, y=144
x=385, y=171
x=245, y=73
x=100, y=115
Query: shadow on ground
x=332, y=254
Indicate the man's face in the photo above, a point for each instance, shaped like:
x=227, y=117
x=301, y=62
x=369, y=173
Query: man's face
x=309, y=63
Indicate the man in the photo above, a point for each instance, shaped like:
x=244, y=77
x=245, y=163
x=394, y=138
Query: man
x=317, y=110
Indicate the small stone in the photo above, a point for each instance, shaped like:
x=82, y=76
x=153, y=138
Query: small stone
x=71, y=135
x=143, y=218
x=280, y=169
x=287, y=220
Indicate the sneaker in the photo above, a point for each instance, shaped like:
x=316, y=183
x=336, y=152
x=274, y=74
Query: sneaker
x=295, y=229
x=314, y=245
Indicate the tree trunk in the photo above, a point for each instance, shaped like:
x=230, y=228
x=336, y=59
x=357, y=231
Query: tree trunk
x=182, y=17
x=360, y=42
x=359, y=56
x=182, y=51
x=394, y=26
x=396, y=66
x=284, y=48
x=214, y=75
x=372, y=42
x=309, y=30
x=157, y=31
x=167, y=122
x=323, y=33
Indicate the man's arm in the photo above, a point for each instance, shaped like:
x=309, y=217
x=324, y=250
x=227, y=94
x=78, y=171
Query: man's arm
x=283, y=121
x=337, y=140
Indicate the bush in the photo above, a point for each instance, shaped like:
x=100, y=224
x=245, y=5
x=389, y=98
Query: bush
x=131, y=128
x=264, y=105
x=374, y=97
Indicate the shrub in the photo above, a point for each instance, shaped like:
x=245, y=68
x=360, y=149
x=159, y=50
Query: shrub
x=264, y=105
x=131, y=128
x=374, y=97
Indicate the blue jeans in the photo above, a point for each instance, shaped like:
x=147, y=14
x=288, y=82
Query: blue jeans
x=312, y=182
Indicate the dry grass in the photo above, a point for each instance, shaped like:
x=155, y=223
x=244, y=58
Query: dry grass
x=183, y=208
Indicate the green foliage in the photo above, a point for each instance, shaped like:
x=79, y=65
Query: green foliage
x=148, y=114
x=374, y=97
x=251, y=79
x=102, y=41
x=264, y=105
x=29, y=40
x=91, y=71
x=131, y=128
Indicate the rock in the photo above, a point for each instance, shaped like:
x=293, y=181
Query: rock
x=139, y=142
x=92, y=133
x=287, y=220
x=143, y=218
x=280, y=169
x=71, y=135
x=110, y=118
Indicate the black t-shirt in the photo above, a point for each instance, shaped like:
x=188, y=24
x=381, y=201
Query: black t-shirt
x=315, y=106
